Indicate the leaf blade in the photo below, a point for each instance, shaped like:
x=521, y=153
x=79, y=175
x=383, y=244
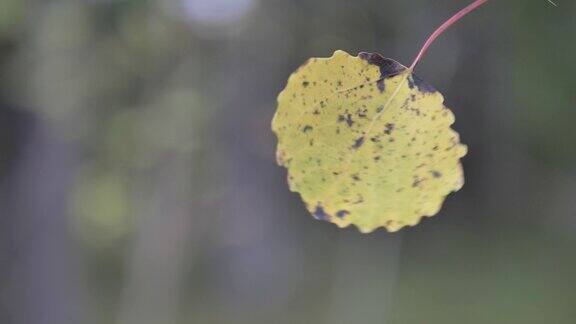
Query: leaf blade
x=352, y=133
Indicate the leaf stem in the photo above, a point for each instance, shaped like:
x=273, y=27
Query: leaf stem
x=459, y=15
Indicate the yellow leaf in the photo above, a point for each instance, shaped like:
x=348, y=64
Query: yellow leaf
x=366, y=142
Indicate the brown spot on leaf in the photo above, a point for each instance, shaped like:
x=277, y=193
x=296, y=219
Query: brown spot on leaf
x=388, y=67
x=307, y=129
x=423, y=86
x=417, y=181
x=359, y=200
x=320, y=214
x=358, y=143
x=346, y=118
x=342, y=213
x=436, y=174
x=389, y=127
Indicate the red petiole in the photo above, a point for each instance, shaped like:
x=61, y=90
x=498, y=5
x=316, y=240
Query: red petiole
x=459, y=15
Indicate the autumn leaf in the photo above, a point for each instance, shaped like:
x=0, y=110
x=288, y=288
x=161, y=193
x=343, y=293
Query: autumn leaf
x=366, y=142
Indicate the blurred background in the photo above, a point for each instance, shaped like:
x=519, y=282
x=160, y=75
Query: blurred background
x=138, y=181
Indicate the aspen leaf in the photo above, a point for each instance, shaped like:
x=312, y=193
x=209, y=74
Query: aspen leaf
x=366, y=142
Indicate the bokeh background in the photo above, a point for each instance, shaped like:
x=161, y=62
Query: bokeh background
x=138, y=181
